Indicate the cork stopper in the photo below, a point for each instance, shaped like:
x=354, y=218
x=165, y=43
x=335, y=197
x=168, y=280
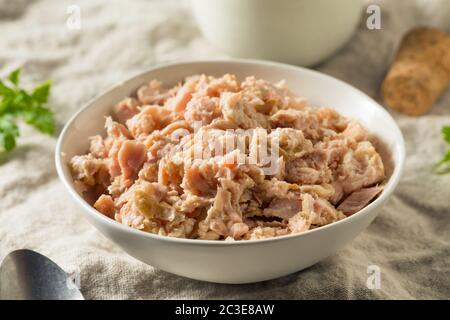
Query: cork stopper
x=420, y=72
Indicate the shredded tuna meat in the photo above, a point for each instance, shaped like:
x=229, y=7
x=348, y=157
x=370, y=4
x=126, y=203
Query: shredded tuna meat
x=218, y=159
x=359, y=199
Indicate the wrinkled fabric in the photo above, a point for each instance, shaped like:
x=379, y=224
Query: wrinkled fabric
x=408, y=241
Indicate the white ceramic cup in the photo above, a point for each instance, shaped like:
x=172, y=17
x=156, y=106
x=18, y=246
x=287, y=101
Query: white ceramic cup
x=301, y=32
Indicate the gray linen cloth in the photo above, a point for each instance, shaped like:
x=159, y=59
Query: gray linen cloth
x=409, y=241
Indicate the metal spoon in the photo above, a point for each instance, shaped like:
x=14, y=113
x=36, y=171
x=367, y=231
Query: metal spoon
x=28, y=275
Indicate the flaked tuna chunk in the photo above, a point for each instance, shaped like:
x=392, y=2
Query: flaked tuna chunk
x=116, y=130
x=292, y=142
x=311, y=168
x=217, y=214
x=266, y=190
x=335, y=150
x=338, y=192
x=272, y=223
x=126, y=109
x=105, y=205
x=273, y=95
x=199, y=179
x=238, y=230
x=178, y=103
x=315, y=123
x=283, y=208
x=331, y=119
x=97, y=147
x=303, y=175
x=117, y=133
x=213, y=87
x=131, y=157
x=202, y=109
x=176, y=130
x=153, y=93
x=149, y=172
x=360, y=168
x=152, y=208
x=324, y=213
x=180, y=228
x=324, y=191
x=204, y=231
x=240, y=109
x=359, y=199
x=224, y=217
x=265, y=232
x=89, y=170
x=148, y=119
x=280, y=169
x=143, y=123
x=355, y=131
x=156, y=190
x=144, y=206
x=301, y=221
x=170, y=173
x=119, y=185
x=293, y=118
x=192, y=202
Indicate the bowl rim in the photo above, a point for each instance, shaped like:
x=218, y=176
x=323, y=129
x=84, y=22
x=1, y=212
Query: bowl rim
x=111, y=223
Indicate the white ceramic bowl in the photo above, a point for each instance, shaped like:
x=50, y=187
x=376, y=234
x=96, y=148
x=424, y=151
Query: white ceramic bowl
x=302, y=32
x=241, y=261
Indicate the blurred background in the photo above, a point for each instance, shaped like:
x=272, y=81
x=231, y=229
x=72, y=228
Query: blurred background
x=85, y=46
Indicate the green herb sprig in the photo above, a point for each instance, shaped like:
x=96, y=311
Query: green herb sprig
x=443, y=166
x=18, y=104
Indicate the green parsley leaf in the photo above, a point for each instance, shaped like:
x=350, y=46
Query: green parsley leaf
x=9, y=141
x=18, y=104
x=446, y=133
x=5, y=90
x=41, y=92
x=14, y=77
x=8, y=132
x=443, y=166
x=8, y=125
x=40, y=118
